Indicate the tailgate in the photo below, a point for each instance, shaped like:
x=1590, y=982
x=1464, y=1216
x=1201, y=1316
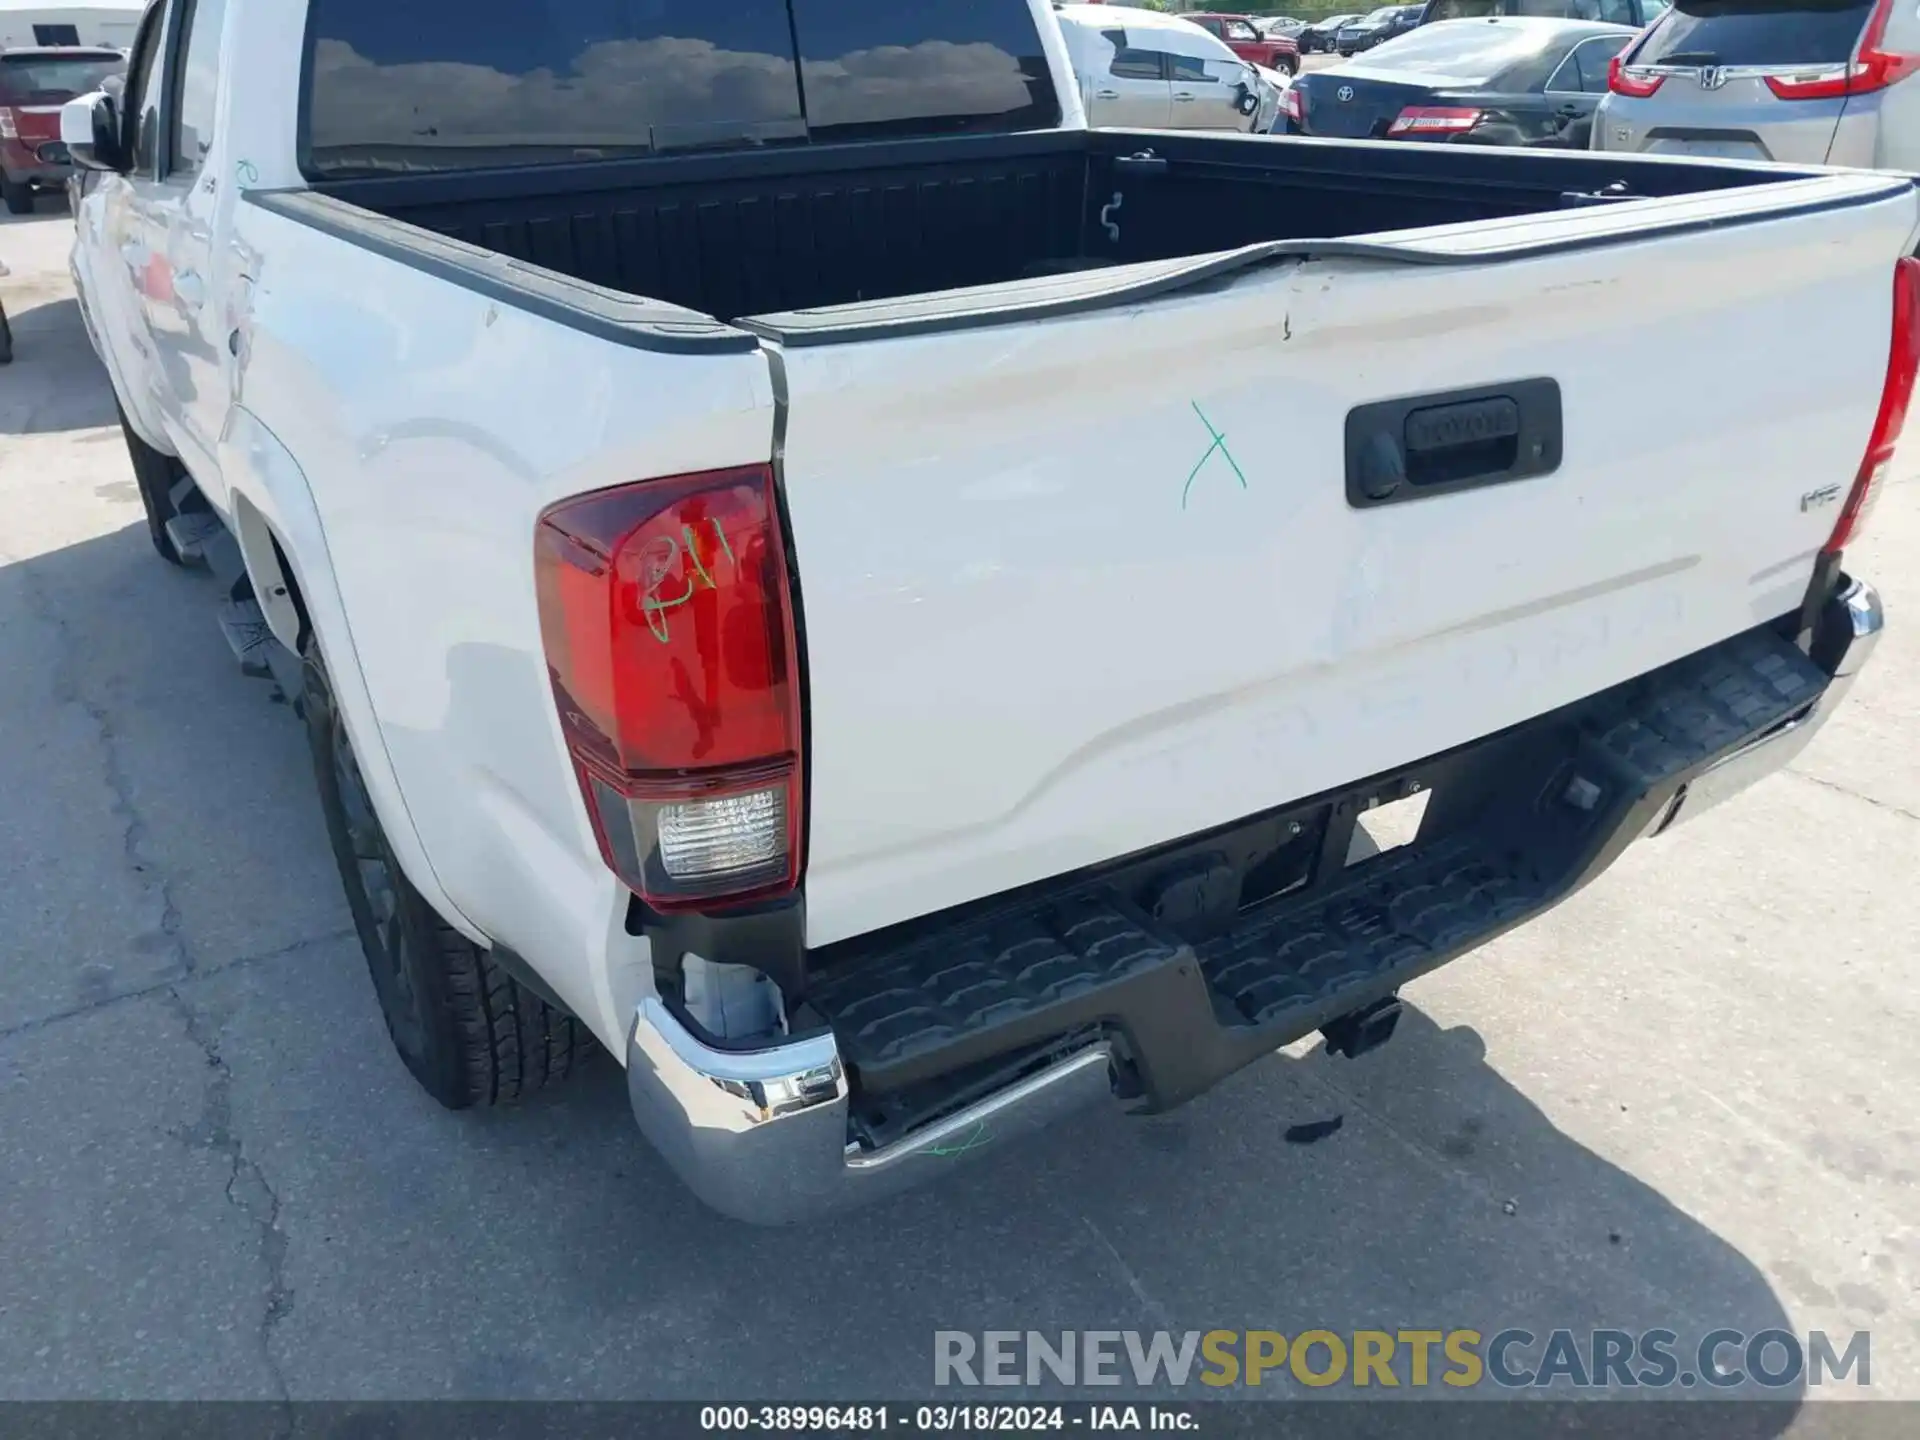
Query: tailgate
x=1078, y=585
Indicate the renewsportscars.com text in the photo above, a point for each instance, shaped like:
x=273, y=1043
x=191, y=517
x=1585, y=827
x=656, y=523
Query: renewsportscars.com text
x=1460, y=1359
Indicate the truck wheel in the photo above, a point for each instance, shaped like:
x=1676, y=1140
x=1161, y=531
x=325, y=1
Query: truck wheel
x=156, y=475
x=19, y=197
x=470, y=1033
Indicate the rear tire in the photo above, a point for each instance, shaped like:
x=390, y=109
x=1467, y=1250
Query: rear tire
x=156, y=475
x=18, y=196
x=467, y=1030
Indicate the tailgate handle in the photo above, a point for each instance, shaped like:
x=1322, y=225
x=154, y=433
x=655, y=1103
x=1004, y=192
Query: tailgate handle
x=1430, y=445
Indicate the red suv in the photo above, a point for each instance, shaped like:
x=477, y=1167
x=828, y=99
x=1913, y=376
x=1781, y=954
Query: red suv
x=34, y=84
x=1245, y=39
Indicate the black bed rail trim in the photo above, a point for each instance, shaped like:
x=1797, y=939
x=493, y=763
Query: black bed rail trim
x=628, y=320
x=1460, y=245
x=777, y=165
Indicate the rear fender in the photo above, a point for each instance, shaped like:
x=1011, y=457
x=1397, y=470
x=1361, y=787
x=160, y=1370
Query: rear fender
x=272, y=502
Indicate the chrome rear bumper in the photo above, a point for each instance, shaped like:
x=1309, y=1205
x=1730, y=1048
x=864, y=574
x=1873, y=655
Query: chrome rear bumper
x=761, y=1135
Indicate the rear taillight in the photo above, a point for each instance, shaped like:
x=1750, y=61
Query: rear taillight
x=1872, y=68
x=667, y=617
x=1433, y=120
x=9, y=127
x=1622, y=81
x=1293, y=105
x=1903, y=362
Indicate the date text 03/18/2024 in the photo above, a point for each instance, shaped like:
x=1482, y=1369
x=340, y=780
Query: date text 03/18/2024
x=944, y=1419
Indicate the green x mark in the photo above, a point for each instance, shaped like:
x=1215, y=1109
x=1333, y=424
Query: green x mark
x=1220, y=444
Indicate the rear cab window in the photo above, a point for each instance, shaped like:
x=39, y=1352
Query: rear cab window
x=931, y=67
x=449, y=85
x=1755, y=32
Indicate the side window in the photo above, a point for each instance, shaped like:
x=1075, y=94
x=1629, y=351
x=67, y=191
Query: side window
x=1190, y=71
x=1565, y=78
x=1585, y=68
x=1240, y=30
x=196, y=87
x=141, y=102
x=1596, y=57
x=1132, y=64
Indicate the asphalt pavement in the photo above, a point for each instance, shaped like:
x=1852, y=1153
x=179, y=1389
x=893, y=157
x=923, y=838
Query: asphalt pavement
x=1686, y=1099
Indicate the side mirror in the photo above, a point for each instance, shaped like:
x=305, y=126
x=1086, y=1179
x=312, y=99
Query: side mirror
x=90, y=129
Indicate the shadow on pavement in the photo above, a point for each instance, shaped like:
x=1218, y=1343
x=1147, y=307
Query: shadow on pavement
x=55, y=382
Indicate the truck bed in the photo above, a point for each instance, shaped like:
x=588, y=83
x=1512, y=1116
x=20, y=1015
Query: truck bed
x=799, y=229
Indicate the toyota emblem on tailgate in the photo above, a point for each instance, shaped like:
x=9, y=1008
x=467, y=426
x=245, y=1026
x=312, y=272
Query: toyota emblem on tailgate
x=1345, y=92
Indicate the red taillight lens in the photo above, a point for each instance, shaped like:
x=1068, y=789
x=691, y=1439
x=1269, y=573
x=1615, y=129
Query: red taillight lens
x=667, y=617
x=1293, y=105
x=1433, y=120
x=9, y=127
x=1622, y=81
x=1872, y=68
x=1903, y=363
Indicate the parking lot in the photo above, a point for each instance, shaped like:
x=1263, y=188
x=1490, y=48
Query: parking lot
x=1686, y=1099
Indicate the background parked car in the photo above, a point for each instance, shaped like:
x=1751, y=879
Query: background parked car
x=1806, y=83
x=1612, y=12
x=1240, y=34
x=1139, y=69
x=1506, y=80
x=1281, y=27
x=34, y=84
x=1319, y=35
x=1377, y=27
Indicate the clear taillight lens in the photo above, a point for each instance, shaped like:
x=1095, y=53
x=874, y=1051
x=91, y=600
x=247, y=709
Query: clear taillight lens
x=667, y=617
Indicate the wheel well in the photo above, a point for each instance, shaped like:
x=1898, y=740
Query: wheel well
x=276, y=588
x=298, y=601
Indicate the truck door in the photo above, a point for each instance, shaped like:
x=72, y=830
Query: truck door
x=194, y=339
x=183, y=317
x=129, y=267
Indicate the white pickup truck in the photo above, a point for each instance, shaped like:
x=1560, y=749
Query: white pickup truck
x=898, y=614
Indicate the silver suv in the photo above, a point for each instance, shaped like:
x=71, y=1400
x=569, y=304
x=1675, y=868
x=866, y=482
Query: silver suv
x=1817, y=82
